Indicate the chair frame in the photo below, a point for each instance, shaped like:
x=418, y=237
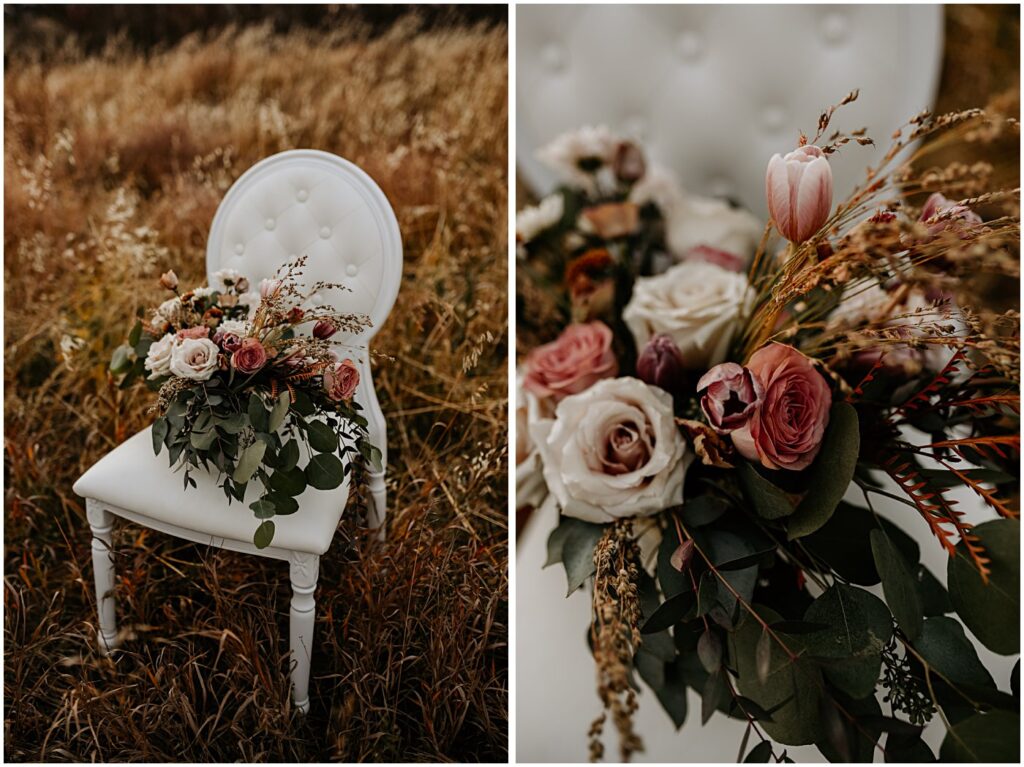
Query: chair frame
x=303, y=567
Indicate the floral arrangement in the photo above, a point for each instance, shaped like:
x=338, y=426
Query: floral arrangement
x=718, y=408
x=248, y=383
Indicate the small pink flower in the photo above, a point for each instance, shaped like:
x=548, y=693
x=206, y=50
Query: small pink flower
x=731, y=395
x=940, y=213
x=249, y=357
x=786, y=430
x=324, y=329
x=169, y=280
x=341, y=380
x=799, y=189
x=576, y=360
x=199, y=331
x=717, y=256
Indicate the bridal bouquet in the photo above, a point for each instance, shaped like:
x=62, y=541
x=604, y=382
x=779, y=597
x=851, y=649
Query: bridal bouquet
x=247, y=382
x=719, y=408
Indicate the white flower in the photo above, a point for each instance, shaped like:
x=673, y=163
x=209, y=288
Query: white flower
x=251, y=300
x=158, y=359
x=532, y=221
x=613, y=451
x=579, y=155
x=194, y=358
x=692, y=220
x=530, y=487
x=239, y=328
x=169, y=309
x=205, y=292
x=222, y=277
x=697, y=304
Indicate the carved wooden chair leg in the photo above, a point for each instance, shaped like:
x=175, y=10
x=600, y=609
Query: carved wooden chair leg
x=378, y=504
x=304, y=569
x=101, y=522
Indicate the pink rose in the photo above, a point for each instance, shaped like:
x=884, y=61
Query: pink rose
x=576, y=360
x=786, y=430
x=731, y=396
x=200, y=331
x=341, y=380
x=249, y=357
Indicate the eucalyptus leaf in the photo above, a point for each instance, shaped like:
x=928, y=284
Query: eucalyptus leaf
x=670, y=612
x=759, y=754
x=990, y=610
x=325, y=472
x=249, y=461
x=578, y=554
x=288, y=457
x=830, y=474
x=257, y=411
x=946, y=648
x=160, y=429
x=279, y=411
x=291, y=483
x=991, y=737
x=769, y=501
x=898, y=584
x=321, y=437
x=264, y=534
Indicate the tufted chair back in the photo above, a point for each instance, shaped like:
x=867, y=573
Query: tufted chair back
x=714, y=90
x=310, y=202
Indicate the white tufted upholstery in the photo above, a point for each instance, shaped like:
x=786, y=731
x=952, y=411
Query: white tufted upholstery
x=314, y=203
x=714, y=90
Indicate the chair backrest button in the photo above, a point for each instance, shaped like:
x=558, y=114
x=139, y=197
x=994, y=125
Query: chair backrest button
x=270, y=224
x=325, y=232
x=351, y=270
x=303, y=195
x=239, y=248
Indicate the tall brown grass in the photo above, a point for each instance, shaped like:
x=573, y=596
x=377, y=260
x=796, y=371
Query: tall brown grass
x=114, y=165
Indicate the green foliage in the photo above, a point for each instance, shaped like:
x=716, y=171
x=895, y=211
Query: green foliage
x=901, y=591
x=831, y=473
x=991, y=737
x=990, y=610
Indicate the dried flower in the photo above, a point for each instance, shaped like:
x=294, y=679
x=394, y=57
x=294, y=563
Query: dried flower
x=324, y=329
x=629, y=164
x=169, y=280
x=731, y=395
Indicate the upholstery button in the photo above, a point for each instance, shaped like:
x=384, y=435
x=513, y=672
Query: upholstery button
x=303, y=195
x=720, y=186
x=553, y=57
x=773, y=117
x=325, y=232
x=351, y=270
x=270, y=224
x=834, y=28
x=240, y=248
x=689, y=46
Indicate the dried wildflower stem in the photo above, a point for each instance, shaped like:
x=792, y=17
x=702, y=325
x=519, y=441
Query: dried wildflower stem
x=615, y=634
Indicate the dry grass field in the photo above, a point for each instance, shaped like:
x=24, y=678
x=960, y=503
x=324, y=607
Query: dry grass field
x=114, y=165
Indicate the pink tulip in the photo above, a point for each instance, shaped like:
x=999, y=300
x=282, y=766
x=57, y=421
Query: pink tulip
x=799, y=189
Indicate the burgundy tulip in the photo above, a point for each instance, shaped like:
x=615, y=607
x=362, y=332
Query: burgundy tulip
x=661, y=364
x=731, y=395
x=324, y=329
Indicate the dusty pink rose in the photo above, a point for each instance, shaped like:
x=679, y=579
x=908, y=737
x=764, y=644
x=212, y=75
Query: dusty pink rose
x=786, y=430
x=940, y=213
x=575, y=361
x=200, y=331
x=324, y=329
x=249, y=357
x=717, y=256
x=731, y=396
x=341, y=380
x=799, y=189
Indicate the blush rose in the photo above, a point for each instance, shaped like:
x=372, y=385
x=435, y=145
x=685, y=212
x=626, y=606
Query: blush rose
x=576, y=360
x=249, y=357
x=341, y=380
x=786, y=429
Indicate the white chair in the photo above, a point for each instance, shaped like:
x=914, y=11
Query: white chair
x=296, y=202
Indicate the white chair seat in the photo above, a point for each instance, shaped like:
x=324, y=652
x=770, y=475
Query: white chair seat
x=132, y=478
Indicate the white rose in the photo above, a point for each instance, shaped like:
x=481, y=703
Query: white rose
x=532, y=221
x=696, y=303
x=692, y=220
x=530, y=487
x=239, y=328
x=194, y=358
x=613, y=451
x=158, y=359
